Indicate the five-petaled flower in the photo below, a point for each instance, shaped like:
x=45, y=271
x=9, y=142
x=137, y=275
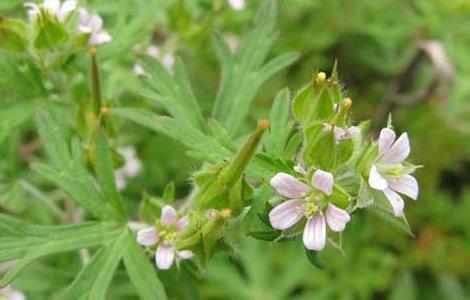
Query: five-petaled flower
x=312, y=203
x=92, y=24
x=54, y=7
x=165, y=235
x=388, y=174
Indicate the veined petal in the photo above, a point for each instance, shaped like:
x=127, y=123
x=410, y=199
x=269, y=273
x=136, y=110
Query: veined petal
x=323, y=181
x=399, y=150
x=377, y=181
x=168, y=216
x=147, y=236
x=100, y=38
x=185, y=254
x=315, y=233
x=407, y=185
x=95, y=22
x=288, y=186
x=396, y=201
x=386, y=139
x=65, y=9
x=182, y=223
x=336, y=218
x=286, y=214
x=164, y=257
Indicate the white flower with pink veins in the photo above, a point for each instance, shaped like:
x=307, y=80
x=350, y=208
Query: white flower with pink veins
x=54, y=7
x=309, y=202
x=92, y=24
x=388, y=174
x=165, y=236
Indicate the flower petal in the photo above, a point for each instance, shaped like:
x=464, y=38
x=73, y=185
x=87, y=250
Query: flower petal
x=407, y=185
x=182, y=223
x=315, y=233
x=399, y=150
x=323, y=181
x=165, y=257
x=396, y=201
x=288, y=186
x=377, y=181
x=52, y=6
x=386, y=139
x=185, y=254
x=147, y=236
x=100, y=38
x=66, y=8
x=336, y=218
x=168, y=216
x=286, y=214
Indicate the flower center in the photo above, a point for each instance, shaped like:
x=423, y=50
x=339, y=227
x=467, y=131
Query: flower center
x=311, y=208
x=168, y=236
x=395, y=171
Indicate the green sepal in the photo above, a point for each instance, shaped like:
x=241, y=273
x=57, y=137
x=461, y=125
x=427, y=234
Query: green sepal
x=320, y=147
x=13, y=35
x=313, y=259
x=150, y=209
x=49, y=33
x=339, y=197
x=302, y=105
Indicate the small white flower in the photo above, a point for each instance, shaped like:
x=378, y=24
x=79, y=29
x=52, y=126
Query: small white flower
x=165, y=237
x=139, y=70
x=8, y=293
x=233, y=42
x=92, y=24
x=387, y=173
x=54, y=7
x=311, y=202
x=342, y=134
x=168, y=60
x=132, y=166
x=153, y=51
x=237, y=4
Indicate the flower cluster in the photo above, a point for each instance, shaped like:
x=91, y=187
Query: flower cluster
x=89, y=24
x=165, y=237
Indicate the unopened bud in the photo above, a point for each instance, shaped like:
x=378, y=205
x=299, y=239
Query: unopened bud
x=320, y=77
x=346, y=103
x=226, y=213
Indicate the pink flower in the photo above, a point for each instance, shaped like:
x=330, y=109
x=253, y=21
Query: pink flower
x=311, y=202
x=92, y=24
x=165, y=236
x=387, y=173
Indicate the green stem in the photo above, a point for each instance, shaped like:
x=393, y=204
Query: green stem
x=95, y=83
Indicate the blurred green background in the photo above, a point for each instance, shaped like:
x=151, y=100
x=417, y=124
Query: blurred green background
x=408, y=57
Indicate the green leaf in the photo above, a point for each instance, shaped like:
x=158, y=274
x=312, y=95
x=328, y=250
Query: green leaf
x=93, y=281
x=320, y=147
x=243, y=73
x=27, y=242
x=173, y=92
x=81, y=187
x=275, y=141
x=53, y=140
x=141, y=272
x=105, y=174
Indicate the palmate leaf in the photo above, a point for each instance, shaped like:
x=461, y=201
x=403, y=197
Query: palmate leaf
x=20, y=240
x=174, y=92
x=70, y=174
x=243, y=73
